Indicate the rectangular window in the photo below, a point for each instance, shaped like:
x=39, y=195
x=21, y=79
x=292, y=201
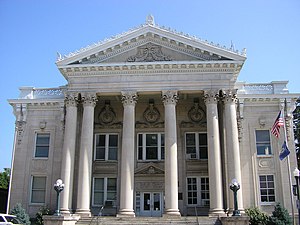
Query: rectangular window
x=263, y=144
x=198, y=191
x=42, y=143
x=104, y=190
x=196, y=145
x=192, y=191
x=106, y=147
x=267, y=188
x=38, y=189
x=151, y=146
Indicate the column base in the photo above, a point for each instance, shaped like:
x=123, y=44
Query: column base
x=235, y=220
x=60, y=220
x=83, y=212
x=171, y=213
x=126, y=213
x=216, y=212
x=65, y=212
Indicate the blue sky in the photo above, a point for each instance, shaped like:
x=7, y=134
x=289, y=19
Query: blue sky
x=31, y=32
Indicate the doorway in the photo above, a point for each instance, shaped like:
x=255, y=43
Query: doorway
x=151, y=204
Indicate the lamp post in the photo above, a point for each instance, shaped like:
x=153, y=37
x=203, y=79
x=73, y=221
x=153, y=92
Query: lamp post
x=235, y=186
x=58, y=187
x=296, y=175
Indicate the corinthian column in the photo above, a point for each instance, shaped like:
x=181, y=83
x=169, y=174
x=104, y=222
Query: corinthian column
x=169, y=99
x=232, y=144
x=127, y=156
x=68, y=152
x=214, y=154
x=85, y=155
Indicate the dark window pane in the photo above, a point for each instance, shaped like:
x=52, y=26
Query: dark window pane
x=100, y=153
x=151, y=139
x=202, y=139
x=140, y=153
x=100, y=140
x=262, y=178
x=41, y=151
x=113, y=153
x=190, y=139
x=113, y=140
x=151, y=153
x=203, y=153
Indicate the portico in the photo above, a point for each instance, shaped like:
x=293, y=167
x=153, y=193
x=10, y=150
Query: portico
x=163, y=172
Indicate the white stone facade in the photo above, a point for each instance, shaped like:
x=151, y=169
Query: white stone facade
x=151, y=123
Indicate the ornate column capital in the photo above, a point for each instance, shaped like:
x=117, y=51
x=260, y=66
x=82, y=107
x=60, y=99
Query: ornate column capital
x=129, y=97
x=89, y=99
x=170, y=97
x=211, y=96
x=71, y=99
x=229, y=96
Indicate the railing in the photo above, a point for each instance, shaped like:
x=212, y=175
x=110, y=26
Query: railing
x=41, y=93
x=97, y=217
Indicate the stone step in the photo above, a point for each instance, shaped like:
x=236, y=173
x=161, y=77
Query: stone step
x=190, y=220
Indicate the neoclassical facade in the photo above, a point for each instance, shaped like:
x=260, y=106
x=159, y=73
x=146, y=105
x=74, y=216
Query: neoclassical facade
x=152, y=122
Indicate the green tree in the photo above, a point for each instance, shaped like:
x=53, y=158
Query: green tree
x=257, y=217
x=44, y=210
x=4, y=178
x=296, y=115
x=280, y=216
x=20, y=213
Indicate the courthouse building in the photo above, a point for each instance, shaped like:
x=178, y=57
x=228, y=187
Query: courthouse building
x=152, y=122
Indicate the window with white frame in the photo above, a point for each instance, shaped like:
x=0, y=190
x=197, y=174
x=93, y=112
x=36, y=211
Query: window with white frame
x=104, y=189
x=198, y=191
x=42, y=144
x=196, y=145
x=267, y=188
x=151, y=146
x=263, y=144
x=106, y=147
x=38, y=189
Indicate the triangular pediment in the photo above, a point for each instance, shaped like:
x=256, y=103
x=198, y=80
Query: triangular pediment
x=149, y=43
x=149, y=168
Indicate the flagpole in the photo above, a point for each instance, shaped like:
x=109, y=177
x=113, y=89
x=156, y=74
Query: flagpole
x=288, y=164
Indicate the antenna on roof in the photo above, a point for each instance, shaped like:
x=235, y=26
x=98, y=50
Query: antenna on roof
x=150, y=20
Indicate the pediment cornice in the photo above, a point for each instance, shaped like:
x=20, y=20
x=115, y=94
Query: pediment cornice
x=150, y=33
x=153, y=67
x=149, y=168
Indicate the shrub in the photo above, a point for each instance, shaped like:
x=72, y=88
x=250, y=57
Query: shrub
x=44, y=210
x=257, y=217
x=20, y=213
x=280, y=216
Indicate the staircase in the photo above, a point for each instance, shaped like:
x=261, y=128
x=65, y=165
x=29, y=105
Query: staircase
x=190, y=220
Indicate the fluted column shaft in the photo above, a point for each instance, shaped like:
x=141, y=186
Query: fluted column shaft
x=232, y=144
x=127, y=156
x=214, y=153
x=171, y=171
x=68, y=152
x=86, y=155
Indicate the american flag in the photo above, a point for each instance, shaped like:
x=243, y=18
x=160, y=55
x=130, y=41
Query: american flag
x=277, y=124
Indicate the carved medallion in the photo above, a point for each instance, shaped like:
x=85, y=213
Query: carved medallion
x=106, y=115
x=196, y=113
x=151, y=114
x=149, y=53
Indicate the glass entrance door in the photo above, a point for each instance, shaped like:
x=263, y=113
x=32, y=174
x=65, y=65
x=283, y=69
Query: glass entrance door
x=151, y=204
